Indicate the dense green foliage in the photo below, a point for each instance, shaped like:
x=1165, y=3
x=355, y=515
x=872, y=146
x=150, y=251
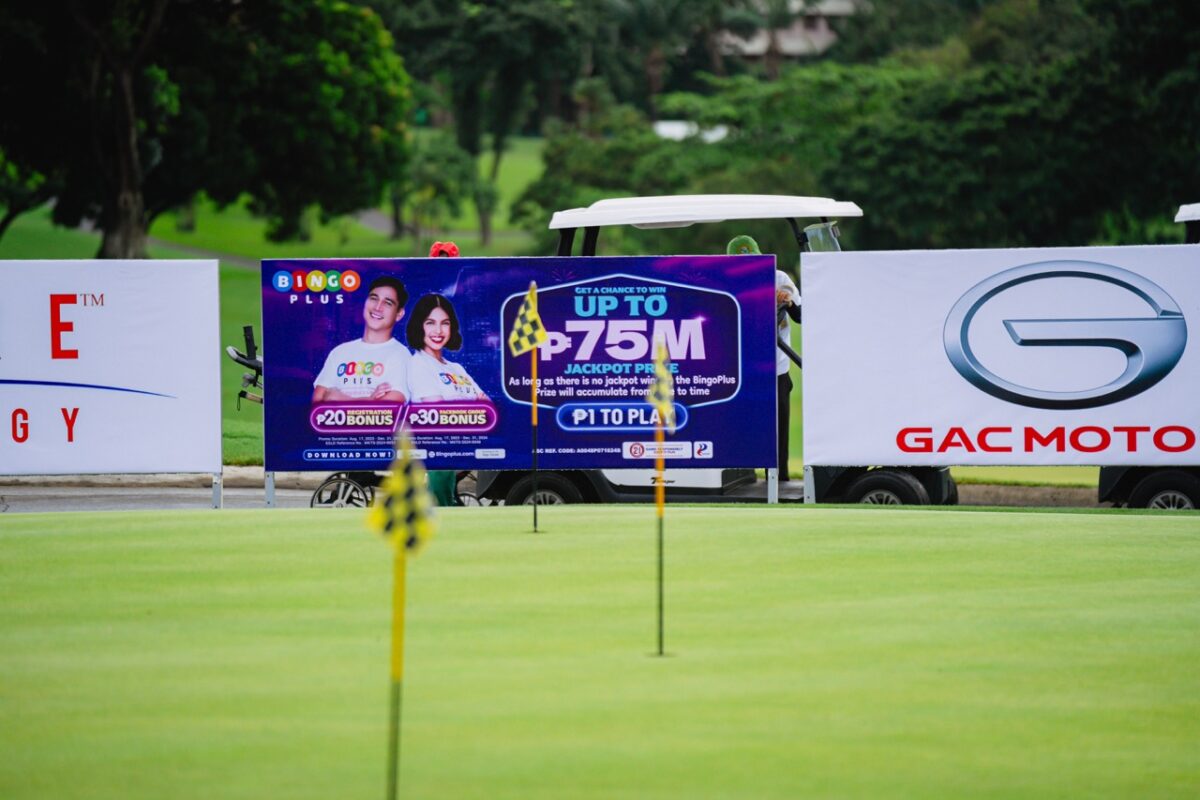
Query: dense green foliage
x=1029, y=122
x=952, y=122
x=134, y=106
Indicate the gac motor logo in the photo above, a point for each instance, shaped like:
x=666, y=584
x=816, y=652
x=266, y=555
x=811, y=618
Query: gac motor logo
x=1152, y=344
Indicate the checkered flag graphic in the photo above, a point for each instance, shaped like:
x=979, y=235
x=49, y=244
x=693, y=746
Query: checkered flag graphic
x=404, y=505
x=662, y=390
x=527, y=331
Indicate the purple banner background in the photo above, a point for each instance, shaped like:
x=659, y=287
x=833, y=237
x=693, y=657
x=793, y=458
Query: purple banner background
x=717, y=313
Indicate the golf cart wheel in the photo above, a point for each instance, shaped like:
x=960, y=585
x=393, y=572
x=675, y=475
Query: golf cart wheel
x=951, y=494
x=552, y=490
x=339, y=491
x=885, y=487
x=1168, y=490
x=466, y=489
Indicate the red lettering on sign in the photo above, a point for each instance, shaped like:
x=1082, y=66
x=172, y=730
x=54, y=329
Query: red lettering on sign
x=915, y=440
x=1056, y=438
x=1103, y=439
x=1160, y=439
x=59, y=326
x=1131, y=433
x=956, y=437
x=20, y=425
x=987, y=446
x=69, y=419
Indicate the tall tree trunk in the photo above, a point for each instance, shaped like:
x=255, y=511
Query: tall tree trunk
x=654, y=67
x=124, y=221
x=773, y=56
x=497, y=154
x=486, y=198
x=125, y=229
x=397, y=203
x=417, y=234
x=485, y=227
x=716, y=60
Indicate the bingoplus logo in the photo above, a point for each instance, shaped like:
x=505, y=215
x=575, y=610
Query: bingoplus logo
x=316, y=281
x=1152, y=345
x=360, y=369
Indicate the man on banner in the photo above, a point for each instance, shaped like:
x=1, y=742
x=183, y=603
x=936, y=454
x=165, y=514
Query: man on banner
x=374, y=367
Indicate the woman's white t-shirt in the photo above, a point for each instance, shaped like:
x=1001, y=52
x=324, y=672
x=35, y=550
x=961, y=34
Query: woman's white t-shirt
x=437, y=381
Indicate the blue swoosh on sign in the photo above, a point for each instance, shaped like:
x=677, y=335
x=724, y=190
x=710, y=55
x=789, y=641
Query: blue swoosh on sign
x=85, y=386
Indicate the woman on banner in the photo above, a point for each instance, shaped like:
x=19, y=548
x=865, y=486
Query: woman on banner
x=432, y=378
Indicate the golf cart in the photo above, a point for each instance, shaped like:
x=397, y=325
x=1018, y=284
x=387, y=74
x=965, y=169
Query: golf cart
x=912, y=485
x=1168, y=488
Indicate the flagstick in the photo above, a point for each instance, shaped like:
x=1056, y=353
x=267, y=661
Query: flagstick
x=397, y=670
x=533, y=371
x=660, y=498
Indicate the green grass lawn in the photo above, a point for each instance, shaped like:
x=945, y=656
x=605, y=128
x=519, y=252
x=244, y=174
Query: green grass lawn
x=236, y=231
x=825, y=652
x=520, y=166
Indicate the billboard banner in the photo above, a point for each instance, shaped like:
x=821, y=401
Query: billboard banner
x=109, y=366
x=359, y=348
x=1087, y=356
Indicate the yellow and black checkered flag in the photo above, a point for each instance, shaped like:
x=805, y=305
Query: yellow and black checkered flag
x=527, y=332
x=662, y=391
x=403, y=504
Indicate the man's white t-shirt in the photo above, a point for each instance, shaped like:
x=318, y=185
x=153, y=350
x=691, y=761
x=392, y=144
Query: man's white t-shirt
x=782, y=281
x=357, y=368
x=430, y=378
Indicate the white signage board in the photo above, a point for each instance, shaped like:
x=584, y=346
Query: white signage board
x=1084, y=356
x=109, y=366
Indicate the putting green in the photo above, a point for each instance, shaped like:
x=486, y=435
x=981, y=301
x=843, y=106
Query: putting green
x=812, y=652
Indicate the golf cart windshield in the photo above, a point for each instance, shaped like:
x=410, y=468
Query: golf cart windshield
x=685, y=210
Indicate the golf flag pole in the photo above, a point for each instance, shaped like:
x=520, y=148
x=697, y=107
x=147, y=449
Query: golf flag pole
x=527, y=333
x=397, y=673
x=533, y=353
x=660, y=501
x=661, y=396
x=403, y=516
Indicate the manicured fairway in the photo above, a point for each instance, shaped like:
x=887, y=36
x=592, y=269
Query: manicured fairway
x=813, y=652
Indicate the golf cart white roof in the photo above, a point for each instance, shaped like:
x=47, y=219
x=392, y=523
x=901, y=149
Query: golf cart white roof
x=680, y=211
x=1188, y=213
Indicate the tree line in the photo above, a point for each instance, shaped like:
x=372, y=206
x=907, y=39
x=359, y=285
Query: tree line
x=1006, y=123
x=952, y=122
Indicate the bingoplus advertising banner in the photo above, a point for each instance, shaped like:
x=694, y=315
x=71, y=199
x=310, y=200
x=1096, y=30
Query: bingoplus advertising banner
x=1085, y=356
x=356, y=349
x=109, y=366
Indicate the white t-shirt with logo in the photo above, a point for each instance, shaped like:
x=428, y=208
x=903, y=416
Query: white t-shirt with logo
x=443, y=380
x=357, y=368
